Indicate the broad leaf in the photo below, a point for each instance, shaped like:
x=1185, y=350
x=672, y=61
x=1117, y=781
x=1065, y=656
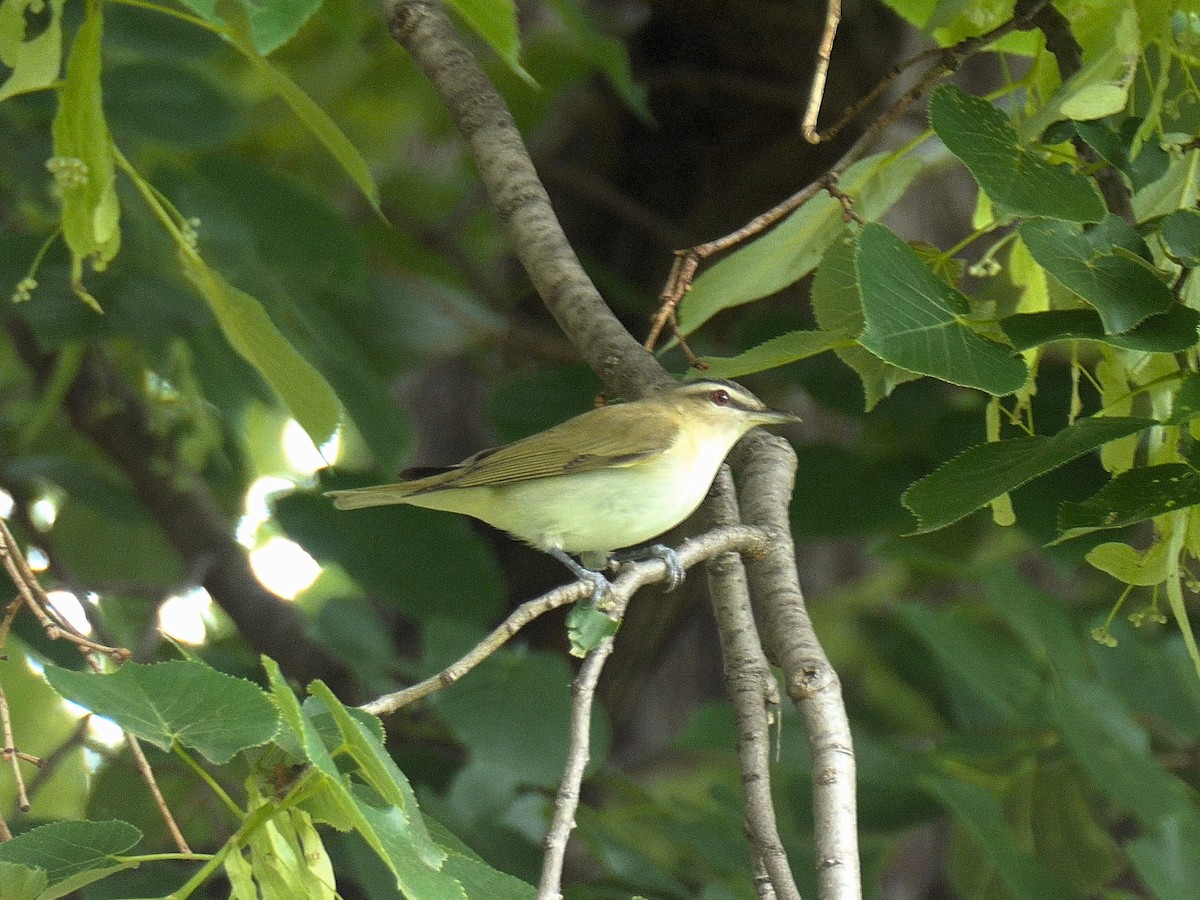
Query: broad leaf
x=71, y=854
x=838, y=308
x=20, y=882
x=982, y=817
x=83, y=162
x=1106, y=265
x=777, y=351
x=1101, y=87
x=33, y=63
x=1134, y=496
x=1181, y=233
x=178, y=701
x=1114, y=750
x=977, y=475
x=254, y=336
x=496, y=22
x=794, y=247
x=272, y=24
x=1169, y=332
x=913, y=320
x=1016, y=178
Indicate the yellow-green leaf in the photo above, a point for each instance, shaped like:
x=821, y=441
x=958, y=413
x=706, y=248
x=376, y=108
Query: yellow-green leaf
x=252, y=334
x=34, y=62
x=83, y=163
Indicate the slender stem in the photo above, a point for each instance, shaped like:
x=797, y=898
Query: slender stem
x=566, y=802
x=208, y=779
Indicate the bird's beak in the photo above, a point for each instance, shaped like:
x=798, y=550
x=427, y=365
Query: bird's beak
x=776, y=417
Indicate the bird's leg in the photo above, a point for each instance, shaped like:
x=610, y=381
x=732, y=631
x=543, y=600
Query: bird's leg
x=600, y=584
x=675, y=571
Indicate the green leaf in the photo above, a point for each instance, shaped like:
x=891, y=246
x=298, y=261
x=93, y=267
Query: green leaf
x=1114, y=751
x=272, y=23
x=979, y=474
x=998, y=678
x=1131, y=497
x=1101, y=87
x=1015, y=178
x=34, y=63
x=1176, y=189
x=837, y=307
x=178, y=701
x=383, y=811
x=1129, y=566
x=1169, y=332
x=913, y=320
x=770, y=354
x=18, y=882
x=378, y=769
x=170, y=104
x=587, y=626
x=254, y=336
x=1181, y=233
x=794, y=247
x=607, y=54
x=83, y=162
x=496, y=22
x=1106, y=265
x=1067, y=833
x=982, y=817
x=476, y=876
x=1165, y=856
x=530, y=688
x=71, y=854
x=240, y=30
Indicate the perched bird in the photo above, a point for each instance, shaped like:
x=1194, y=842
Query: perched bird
x=608, y=479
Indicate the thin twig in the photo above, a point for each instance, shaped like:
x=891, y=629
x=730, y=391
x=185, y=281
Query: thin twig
x=10, y=751
x=34, y=596
x=143, y=766
x=55, y=758
x=808, y=126
x=755, y=697
x=566, y=802
x=742, y=538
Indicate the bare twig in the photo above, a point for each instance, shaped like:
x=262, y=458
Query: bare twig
x=566, y=801
x=742, y=538
x=143, y=766
x=811, y=682
x=54, y=758
x=808, y=126
x=33, y=595
x=10, y=751
x=754, y=694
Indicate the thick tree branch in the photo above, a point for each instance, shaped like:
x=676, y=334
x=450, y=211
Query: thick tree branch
x=103, y=408
x=754, y=694
x=792, y=645
x=517, y=194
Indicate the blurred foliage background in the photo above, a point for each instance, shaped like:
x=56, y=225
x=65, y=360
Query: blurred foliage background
x=155, y=476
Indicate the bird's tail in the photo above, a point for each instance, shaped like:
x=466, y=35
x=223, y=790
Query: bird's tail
x=378, y=495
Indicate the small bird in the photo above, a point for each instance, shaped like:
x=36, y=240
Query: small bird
x=611, y=478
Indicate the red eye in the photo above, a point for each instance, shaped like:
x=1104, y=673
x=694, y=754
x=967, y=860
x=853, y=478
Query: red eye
x=720, y=397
